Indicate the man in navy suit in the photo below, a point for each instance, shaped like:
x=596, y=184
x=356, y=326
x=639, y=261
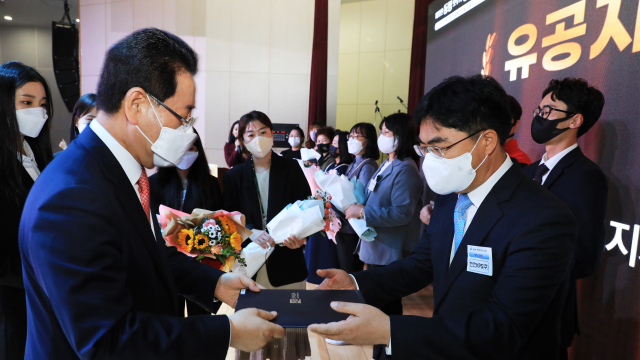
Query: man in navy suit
x=99, y=283
x=568, y=109
x=498, y=248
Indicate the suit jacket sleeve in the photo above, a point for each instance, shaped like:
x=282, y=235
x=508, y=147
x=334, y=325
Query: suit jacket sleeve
x=521, y=296
x=404, y=196
x=74, y=249
x=587, y=199
x=380, y=286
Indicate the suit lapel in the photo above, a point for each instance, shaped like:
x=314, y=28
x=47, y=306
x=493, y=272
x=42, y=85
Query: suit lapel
x=382, y=177
x=441, y=239
x=277, y=179
x=132, y=207
x=486, y=217
x=557, y=170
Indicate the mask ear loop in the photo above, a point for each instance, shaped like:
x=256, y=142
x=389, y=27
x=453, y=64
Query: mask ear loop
x=157, y=118
x=474, y=147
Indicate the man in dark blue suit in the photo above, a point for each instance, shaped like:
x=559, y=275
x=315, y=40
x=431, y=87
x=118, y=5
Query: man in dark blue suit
x=498, y=248
x=569, y=108
x=99, y=283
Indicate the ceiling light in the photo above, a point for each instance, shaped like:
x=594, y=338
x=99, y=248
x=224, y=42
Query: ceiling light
x=7, y=17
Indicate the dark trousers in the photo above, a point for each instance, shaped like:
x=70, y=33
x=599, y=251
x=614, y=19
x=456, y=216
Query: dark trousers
x=392, y=308
x=13, y=323
x=348, y=261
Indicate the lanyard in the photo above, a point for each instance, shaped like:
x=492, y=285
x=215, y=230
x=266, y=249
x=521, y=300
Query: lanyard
x=263, y=213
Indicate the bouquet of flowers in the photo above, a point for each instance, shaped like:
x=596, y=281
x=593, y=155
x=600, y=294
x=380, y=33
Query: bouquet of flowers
x=212, y=237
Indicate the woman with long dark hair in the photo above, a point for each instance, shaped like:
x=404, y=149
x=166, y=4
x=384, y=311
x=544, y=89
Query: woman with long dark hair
x=25, y=110
x=234, y=150
x=188, y=186
x=83, y=113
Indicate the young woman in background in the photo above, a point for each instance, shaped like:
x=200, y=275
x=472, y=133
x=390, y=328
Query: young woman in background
x=25, y=110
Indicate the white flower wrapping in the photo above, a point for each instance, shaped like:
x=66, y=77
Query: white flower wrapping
x=342, y=193
x=301, y=219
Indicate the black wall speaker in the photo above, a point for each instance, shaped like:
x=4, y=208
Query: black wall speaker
x=66, y=66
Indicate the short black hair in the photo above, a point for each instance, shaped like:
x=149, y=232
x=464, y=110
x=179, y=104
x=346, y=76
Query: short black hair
x=579, y=97
x=515, y=109
x=299, y=130
x=83, y=106
x=467, y=104
x=148, y=58
x=371, y=150
x=403, y=130
x=250, y=117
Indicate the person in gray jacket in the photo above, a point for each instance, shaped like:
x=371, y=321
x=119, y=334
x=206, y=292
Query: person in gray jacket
x=362, y=144
x=393, y=200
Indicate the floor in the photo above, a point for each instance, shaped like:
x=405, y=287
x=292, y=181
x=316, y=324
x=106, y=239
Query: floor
x=420, y=303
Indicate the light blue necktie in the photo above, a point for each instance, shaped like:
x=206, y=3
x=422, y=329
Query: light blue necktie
x=459, y=218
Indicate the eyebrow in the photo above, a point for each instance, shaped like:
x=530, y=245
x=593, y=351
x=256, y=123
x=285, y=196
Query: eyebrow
x=32, y=97
x=264, y=127
x=436, y=140
x=190, y=107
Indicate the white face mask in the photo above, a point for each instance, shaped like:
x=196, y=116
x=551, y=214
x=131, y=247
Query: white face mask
x=354, y=146
x=260, y=146
x=387, y=144
x=31, y=121
x=294, y=141
x=446, y=176
x=312, y=135
x=187, y=160
x=172, y=144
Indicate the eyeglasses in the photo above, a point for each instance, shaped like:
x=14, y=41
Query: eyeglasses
x=546, y=111
x=438, y=151
x=187, y=122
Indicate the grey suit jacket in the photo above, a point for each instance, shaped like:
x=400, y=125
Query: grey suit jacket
x=393, y=210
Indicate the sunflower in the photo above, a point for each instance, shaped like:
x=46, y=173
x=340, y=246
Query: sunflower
x=185, y=239
x=236, y=241
x=201, y=242
x=227, y=225
x=229, y=264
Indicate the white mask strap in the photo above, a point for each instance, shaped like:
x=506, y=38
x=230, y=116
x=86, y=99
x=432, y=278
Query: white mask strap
x=474, y=147
x=154, y=111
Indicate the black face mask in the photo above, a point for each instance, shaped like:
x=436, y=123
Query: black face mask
x=323, y=148
x=543, y=130
x=333, y=151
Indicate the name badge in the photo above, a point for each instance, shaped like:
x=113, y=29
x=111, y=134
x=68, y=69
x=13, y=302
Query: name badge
x=479, y=260
x=373, y=183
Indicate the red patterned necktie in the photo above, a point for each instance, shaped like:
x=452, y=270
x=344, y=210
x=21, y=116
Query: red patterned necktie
x=143, y=189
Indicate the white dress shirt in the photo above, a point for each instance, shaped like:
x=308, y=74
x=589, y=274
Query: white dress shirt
x=29, y=161
x=477, y=196
x=130, y=165
x=551, y=163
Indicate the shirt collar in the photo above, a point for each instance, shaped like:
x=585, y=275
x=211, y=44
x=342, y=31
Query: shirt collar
x=556, y=159
x=478, y=195
x=129, y=164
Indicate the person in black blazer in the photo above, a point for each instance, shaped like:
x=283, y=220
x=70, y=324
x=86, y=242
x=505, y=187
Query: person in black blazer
x=500, y=270
x=568, y=109
x=188, y=186
x=26, y=151
x=282, y=182
x=100, y=282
